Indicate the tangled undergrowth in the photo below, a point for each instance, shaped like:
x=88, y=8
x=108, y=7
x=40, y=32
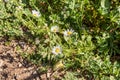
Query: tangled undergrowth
x=80, y=37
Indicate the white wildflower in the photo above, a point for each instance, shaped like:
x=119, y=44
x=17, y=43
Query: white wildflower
x=68, y=32
x=36, y=13
x=54, y=29
x=57, y=50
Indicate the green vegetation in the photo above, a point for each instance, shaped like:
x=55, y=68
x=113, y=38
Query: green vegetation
x=72, y=35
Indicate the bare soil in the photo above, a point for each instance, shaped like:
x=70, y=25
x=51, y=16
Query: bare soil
x=13, y=66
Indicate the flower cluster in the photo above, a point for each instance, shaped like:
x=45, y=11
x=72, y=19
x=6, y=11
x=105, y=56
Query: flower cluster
x=67, y=33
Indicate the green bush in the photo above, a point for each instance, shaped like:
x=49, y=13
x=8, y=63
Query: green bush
x=69, y=34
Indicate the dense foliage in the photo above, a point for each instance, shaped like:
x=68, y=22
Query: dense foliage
x=72, y=35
